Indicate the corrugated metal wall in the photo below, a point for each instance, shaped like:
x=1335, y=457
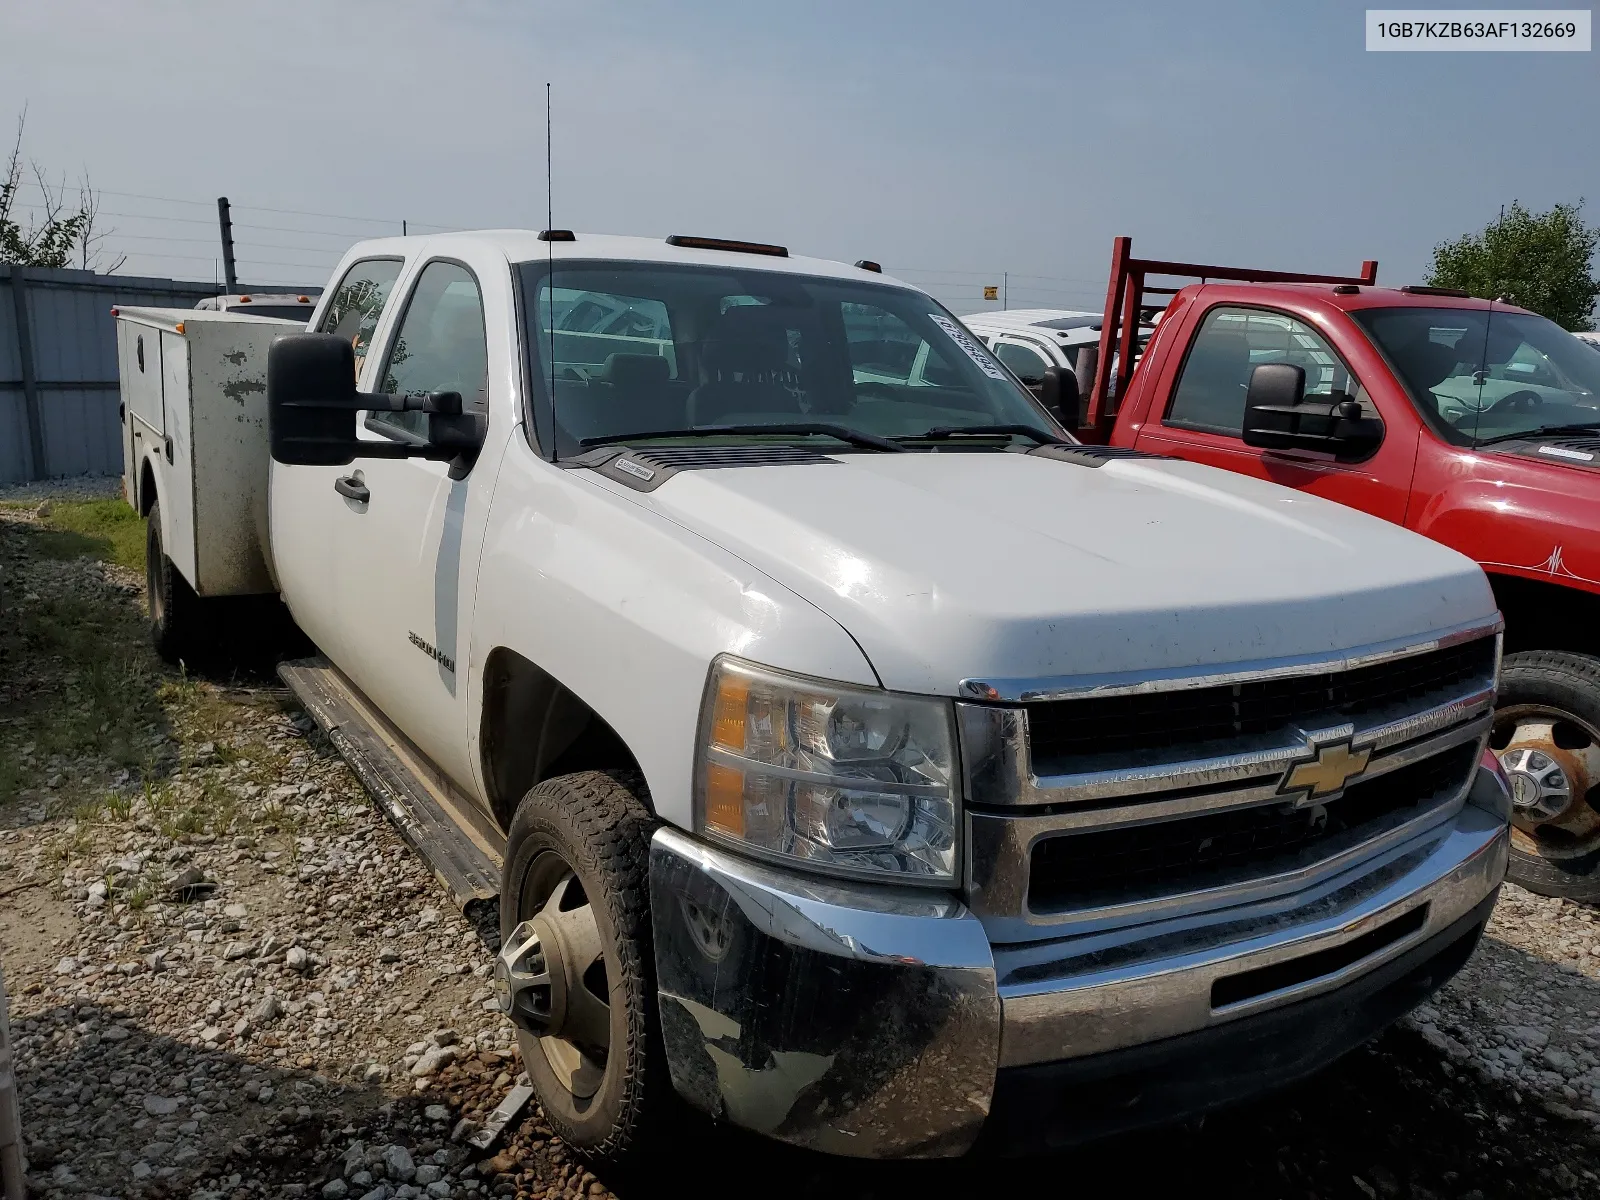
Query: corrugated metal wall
x=58, y=366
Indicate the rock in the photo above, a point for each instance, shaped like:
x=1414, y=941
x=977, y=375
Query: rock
x=266, y=1009
x=114, y=1033
x=296, y=959
x=439, y=1188
x=67, y=966
x=398, y=1163
x=335, y=1189
x=1527, y=1035
x=435, y=1112
x=427, y=1173
x=378, y=1193
x=375, y=1073
x=236, y=950
x=464, y=1129
x=444, y=1037
x=241, y=1027
x=180, y=881
x=236, y=911
x=432, y=1060
x=160, y=1106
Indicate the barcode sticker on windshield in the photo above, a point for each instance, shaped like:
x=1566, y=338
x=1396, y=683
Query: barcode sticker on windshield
x=966, y=341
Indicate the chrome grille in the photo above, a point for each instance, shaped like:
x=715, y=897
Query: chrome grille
x=1062, y=732
x=1214, y=849
x=1093, y=809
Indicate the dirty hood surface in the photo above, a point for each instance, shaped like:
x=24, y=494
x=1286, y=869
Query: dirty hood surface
x=947, y=567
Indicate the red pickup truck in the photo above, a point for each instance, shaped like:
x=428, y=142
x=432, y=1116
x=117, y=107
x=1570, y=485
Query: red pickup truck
x=1475, y=423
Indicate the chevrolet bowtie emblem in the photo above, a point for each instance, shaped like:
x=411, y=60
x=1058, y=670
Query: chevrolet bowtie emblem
x=1333, y=767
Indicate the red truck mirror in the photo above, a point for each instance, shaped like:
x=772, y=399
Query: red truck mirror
x=1277, y=416
x=1059, y=394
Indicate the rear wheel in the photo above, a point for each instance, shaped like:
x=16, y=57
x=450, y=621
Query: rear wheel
x=576, y=969
x=178, y=623
x=1547, y=736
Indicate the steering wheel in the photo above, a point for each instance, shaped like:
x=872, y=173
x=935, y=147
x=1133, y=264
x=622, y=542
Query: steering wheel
x=1527, y=400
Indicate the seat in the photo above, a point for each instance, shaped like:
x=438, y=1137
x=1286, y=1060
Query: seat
x=743, y=368
x=634, y=394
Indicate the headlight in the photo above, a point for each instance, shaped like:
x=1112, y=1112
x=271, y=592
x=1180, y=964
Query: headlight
x=848, y=780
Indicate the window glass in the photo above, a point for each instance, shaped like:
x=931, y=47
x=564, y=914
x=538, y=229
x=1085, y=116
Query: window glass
x=1027, y=363
x=1476, y=376
x=1231, y=343
x=440, y=347
x=358, y=303
x=674, y=348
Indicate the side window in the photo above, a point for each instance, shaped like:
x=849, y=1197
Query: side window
x=1231, y=343
x=440, y=347
x=1026, y=363
x=358, y=303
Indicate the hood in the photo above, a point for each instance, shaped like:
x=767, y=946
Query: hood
x=956, y=566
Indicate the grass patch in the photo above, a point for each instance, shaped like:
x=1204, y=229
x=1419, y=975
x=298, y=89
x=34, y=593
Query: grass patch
x=104, y=529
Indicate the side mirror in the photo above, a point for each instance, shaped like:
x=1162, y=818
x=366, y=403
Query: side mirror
x=312, y=404
x=1060, y=395
x=1277, y=416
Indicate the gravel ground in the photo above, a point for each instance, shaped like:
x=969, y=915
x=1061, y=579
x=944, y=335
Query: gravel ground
x=231, y=978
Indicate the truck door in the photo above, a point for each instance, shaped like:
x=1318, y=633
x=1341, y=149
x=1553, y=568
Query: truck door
x=305, y=510
x=406, y=544
x=1202, y=415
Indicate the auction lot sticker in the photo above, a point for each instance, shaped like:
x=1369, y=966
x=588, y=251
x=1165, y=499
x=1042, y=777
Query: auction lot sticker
x=975, y=352
x=1469, y=29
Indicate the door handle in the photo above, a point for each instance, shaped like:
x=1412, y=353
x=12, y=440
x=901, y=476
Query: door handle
x=352, y=488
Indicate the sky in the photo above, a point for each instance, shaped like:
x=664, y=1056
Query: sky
x=957, y=144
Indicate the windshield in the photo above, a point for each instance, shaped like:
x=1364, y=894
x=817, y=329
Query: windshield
x=648, y=348
x=1527, y=374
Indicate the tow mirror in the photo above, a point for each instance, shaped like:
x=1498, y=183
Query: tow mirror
x=312, y=404
x=1277, y=416
x=1060, y=395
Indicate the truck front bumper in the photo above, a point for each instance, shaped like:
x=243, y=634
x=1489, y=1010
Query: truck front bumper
x=879, y=1022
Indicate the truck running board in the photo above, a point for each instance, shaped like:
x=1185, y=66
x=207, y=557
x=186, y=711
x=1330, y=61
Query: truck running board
x=433, y=817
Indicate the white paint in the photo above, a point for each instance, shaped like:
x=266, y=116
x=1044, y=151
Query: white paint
x=940, y=566
x=205, y=389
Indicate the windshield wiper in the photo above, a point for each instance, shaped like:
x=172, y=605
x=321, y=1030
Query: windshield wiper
x=854, y=437
x=941, y=432
x=1542, y=431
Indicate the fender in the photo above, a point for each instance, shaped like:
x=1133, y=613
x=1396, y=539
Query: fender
x=1519, y=523
x=626, y=609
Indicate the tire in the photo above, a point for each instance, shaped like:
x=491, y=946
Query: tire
x=1567, y=687
x=178, y=625
x=598, y=824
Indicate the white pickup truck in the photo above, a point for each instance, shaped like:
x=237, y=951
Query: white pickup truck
x=863, y=762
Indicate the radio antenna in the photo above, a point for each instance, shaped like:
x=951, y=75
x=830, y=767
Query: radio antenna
x=550, y=271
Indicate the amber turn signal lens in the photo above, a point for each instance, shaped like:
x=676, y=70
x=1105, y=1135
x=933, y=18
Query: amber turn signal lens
x=728, y=716
x=725, y=799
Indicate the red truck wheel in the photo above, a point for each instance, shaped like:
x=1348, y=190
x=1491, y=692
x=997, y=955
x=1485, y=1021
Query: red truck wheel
x=1547, y=735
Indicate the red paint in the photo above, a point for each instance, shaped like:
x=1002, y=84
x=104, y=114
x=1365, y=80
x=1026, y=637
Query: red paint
x=1517, y=516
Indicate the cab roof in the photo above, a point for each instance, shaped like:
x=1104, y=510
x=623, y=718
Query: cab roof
x=1353, y=297
x=525, y=245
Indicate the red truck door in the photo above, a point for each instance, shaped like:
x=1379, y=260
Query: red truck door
x=1192, y=405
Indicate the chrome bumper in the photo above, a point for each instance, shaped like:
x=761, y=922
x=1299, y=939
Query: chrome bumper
x=874, y=1022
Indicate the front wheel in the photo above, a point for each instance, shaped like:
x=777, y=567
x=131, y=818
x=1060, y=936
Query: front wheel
x=576, y=969
x=1547, y=736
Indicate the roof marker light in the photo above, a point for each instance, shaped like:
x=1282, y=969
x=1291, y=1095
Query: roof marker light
x=866, y=264
x=687, y=242
x=1345, y=289
x=1416, y=289
x=557, y=235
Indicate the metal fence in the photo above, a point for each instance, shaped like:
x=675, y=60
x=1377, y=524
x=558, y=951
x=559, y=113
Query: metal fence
x=58, y=366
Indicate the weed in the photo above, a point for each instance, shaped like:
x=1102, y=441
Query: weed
x=104, y=529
